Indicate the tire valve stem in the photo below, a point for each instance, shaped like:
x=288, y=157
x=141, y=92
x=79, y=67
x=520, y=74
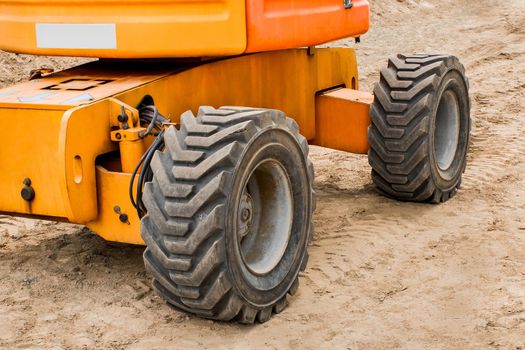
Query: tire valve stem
x=123, y=217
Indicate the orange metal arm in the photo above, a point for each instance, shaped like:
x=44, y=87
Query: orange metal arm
x=342, y=120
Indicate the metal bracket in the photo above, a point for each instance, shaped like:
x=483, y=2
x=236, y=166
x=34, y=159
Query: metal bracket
x=123, y=115
x=348, y=4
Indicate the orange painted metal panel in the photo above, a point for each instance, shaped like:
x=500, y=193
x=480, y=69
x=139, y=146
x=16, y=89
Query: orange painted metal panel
x=278, y=24
x=286, y=80
x=342, y=120
x=124, y=28
x=112, y=190
x=174, y=28
x=28, y=149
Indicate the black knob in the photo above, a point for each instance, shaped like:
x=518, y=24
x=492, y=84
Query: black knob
x=123, y=118
x=123, y=218
x=28, y=193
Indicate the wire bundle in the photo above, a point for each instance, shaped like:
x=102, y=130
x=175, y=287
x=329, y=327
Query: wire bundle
x=154, y=122
x=149, y=115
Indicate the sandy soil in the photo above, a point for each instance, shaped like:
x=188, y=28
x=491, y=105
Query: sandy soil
x=382, y=274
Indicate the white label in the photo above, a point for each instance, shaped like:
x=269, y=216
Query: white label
x=76, y=36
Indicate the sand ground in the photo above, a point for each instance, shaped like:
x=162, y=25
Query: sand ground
x=382, y=274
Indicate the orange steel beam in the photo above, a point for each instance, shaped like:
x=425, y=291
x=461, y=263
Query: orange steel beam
x=342, y=120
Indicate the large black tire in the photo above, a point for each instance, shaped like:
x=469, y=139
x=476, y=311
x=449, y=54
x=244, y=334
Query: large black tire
x=420, y=129
x=213, y=223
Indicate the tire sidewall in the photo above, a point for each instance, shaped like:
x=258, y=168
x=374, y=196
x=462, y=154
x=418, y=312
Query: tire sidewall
x=446, y=180
x=270, y=143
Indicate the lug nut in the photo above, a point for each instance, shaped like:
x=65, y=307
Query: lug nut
x=245, y=214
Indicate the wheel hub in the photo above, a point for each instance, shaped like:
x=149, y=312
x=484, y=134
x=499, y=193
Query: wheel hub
x=264, y=217
x=244, y=223
x=447, y=130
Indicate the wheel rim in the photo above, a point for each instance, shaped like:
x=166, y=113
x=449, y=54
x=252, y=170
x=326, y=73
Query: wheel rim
x=447, y=129
x=265, y=217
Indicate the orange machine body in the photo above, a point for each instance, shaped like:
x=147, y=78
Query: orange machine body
x=65, y=137
x=66, y=142
x=175, y=28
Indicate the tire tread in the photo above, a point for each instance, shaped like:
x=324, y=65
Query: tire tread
x=184, y=226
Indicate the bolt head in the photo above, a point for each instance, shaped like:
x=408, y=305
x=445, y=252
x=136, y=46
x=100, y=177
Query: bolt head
x=245, y=214
x=123, y=218
x=123, y=118
x=28, y=193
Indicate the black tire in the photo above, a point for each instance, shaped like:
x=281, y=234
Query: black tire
x=420, y=129
x=203, y=185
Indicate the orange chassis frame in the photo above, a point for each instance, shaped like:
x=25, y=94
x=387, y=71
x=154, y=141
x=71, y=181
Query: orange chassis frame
x=65, y=145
